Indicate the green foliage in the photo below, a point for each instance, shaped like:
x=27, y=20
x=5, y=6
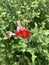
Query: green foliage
x=17, y=51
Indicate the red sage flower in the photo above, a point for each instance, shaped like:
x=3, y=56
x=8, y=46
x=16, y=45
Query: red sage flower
x=21, y=32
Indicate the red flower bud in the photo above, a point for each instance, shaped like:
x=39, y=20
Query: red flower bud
x=9, y=36
x=25, y=27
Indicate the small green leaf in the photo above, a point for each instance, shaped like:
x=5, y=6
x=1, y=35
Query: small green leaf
x=26, y=21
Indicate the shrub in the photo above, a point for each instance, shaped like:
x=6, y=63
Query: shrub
x=17, y=51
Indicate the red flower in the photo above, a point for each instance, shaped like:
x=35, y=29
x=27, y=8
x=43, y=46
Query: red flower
x=18, y=33
x=24, y=34
x=9, y=36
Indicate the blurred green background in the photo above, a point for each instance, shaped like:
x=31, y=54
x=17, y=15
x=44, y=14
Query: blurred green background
x=17, y=51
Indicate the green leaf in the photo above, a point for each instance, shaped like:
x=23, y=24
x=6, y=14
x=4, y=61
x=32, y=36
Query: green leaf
x=26, y=21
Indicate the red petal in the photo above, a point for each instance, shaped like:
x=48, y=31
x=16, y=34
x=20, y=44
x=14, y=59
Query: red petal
x=25, y=34
x=18, y=33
